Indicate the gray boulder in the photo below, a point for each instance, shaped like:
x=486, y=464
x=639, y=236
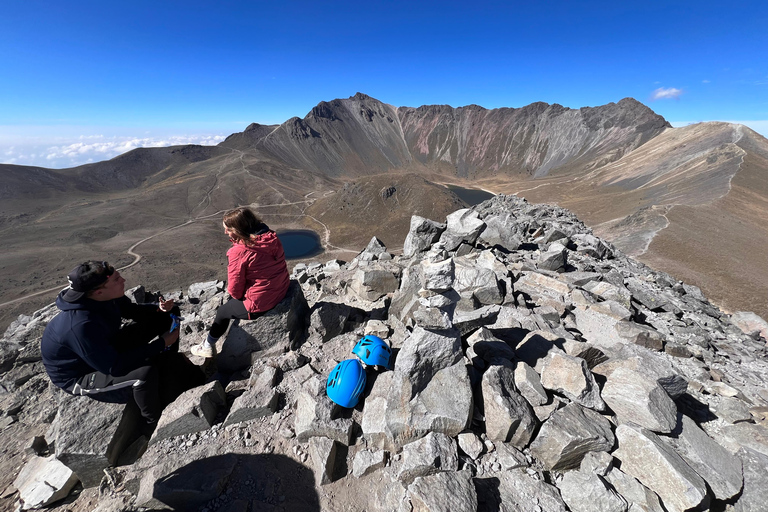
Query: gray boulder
x=90, y=435
x=203, y=291
x=444, y=405
x=746, y=435
x=637, y=399
x=375, y=250
x=733, y=410
x=599, y=463
x=438, y=275
x=588, y=492
x=540, y=286
x=475, y=283
x=639, y=497
x=754, y=496
x=717, y=466
x=406, y=298
x=647, y=294
x=322, y=451
x=750, y=323
x=592, y=246
x=443, y=492
x=183, y=485
x=373, y=283
x=528, y=383
x=571, y=377
x=424, y=353
x=651, y=366
x=42, y=481
x=421, y=235
x=610, y=292
x=536, y=346
x=259, y=400
x=427, y=456
x=508, y=416
x=484, y=345
x=462, y=226
x=328, y=319
x=366, y=462
x=193, y=411
x=470, y=444
x=509, y=457
x=377, y=328
x=649, y=459
x=501, y=230
x=597, y=323
x=569, y=434
x=280, y=329
x=516, y=491
x=554, y=258
x=374, y=423
x=468, y=321
x=314, y=418
x=641, y=335
x=432, y=319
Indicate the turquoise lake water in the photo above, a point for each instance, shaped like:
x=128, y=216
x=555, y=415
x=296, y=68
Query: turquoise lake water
x=471, y=196
x=300, y=243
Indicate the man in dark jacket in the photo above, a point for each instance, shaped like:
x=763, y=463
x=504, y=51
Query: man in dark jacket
x=87, y=351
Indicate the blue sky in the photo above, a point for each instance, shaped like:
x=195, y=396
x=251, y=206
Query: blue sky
x=84, y=81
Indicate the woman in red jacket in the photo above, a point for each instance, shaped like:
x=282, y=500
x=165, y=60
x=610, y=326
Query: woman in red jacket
x=257, y=276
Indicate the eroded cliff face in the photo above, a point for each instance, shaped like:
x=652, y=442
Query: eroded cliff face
x=535, y=140
x=361, y=135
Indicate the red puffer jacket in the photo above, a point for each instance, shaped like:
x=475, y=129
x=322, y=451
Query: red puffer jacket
x=257, y=272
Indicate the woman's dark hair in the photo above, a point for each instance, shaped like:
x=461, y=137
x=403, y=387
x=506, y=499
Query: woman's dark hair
x=242, y=223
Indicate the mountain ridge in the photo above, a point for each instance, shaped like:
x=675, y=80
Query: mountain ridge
x=299, y=141
x=294, y=173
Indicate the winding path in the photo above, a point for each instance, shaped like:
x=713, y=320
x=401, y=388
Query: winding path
x=207, y=200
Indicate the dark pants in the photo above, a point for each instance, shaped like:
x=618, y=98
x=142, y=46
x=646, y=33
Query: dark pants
x=232, y=309
x=152, y=386
x=141, y=384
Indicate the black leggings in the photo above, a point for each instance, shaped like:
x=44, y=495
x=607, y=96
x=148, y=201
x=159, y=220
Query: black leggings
x=232, y=309
x=141, y=384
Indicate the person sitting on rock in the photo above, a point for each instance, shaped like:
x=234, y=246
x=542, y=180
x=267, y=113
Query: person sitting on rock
x=88, y=351
x=257, y=275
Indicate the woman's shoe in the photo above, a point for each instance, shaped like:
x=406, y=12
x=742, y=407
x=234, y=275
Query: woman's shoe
x=204, y=349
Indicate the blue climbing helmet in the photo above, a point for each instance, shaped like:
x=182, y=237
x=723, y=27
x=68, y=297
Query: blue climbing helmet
x=373, y=351
x=346, y=383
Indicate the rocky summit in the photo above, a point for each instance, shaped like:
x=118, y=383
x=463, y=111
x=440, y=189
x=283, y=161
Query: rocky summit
x=536, y=368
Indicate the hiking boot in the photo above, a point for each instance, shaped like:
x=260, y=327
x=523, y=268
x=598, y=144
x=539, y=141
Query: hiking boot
x=204, y=349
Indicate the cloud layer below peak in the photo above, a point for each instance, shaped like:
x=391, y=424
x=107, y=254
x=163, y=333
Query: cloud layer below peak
x=63, y=153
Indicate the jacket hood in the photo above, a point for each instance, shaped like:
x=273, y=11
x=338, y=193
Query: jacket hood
x=261, y=240
x=81, y=303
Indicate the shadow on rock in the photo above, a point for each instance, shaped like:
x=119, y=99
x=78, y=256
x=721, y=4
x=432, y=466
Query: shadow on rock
x=488, y=495
x=246, y=482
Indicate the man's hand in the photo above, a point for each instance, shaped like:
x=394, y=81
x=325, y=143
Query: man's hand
x=170, y=337
x=165, y=305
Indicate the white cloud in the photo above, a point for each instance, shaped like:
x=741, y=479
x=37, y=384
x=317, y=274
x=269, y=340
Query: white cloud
x=705, y=81
x=664, y=93
x=91, y=148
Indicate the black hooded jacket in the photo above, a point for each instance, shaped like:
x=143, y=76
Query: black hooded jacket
x=85, y=337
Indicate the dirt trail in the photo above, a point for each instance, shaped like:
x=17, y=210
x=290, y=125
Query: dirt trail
x=137, y=257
